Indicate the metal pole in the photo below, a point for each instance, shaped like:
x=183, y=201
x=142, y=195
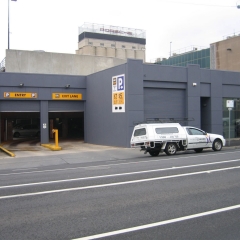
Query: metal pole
x=8, y=25
x=229, y=129
x=0, y=129
x=6, y=130
x=170, y=48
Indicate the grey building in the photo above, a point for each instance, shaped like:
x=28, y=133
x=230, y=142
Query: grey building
x=86, y=106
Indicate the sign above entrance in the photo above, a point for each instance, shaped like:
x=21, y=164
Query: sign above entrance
x=67, y=96
x=20, y=95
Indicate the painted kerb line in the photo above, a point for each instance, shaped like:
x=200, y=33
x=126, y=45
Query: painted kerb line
x=118, y=164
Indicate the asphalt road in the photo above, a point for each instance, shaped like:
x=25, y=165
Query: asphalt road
x=186, y=196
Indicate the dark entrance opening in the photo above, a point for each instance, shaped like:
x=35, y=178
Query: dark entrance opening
x=206, y=114
x=20, y=125
x=70, y=125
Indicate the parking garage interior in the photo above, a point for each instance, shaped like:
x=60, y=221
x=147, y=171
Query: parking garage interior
x=26, y=125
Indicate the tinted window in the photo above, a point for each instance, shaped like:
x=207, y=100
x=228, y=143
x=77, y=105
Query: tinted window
x=140, y=132
x=166, y=130
x=193, y=131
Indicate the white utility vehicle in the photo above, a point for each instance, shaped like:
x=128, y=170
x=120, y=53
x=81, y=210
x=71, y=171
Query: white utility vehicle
x=172, y=137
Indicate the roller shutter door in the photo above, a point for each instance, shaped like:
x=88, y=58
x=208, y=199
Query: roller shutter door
x=164, y=103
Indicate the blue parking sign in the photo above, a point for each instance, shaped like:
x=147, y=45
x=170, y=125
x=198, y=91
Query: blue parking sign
x=120, y=83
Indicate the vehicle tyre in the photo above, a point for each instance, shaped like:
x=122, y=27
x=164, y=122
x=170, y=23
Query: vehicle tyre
x=217, y=145
x=154, y=153
x=198, y=150
x=171, y=149
x=16, y=135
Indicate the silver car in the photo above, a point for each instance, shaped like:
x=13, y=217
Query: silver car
x=28, y=130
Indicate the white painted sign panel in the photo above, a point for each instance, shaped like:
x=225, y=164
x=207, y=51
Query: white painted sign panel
x=118, y=93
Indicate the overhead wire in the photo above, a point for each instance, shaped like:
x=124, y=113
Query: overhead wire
x=198, y=4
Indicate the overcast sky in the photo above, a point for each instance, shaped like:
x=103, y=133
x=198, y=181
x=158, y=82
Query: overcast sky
x=52, y=25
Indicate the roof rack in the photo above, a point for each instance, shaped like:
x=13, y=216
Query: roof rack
x=166, y=120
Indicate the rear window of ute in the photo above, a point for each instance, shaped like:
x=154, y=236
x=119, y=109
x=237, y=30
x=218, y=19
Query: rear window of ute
x=166, y=130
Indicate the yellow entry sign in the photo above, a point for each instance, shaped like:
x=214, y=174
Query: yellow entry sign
x=20, y=95
x=67, y=96
x=118, y=98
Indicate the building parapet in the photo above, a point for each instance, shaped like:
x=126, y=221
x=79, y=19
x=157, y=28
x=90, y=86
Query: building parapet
x=114, y=30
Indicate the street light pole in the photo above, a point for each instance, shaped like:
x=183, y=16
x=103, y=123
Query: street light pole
x=9, y=24
x=170, y=48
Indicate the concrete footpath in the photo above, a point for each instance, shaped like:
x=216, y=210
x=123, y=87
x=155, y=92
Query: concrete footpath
x=30, y=154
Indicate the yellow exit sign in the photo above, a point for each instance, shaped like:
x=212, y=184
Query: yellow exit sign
x=67, y=96
x=20, y=95
x=118, y=98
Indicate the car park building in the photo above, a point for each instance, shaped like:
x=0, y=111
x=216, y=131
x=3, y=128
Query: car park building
x=102, y=105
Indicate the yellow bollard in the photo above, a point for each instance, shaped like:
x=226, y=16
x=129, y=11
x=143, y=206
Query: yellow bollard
x=56, y=137
x=52, y=147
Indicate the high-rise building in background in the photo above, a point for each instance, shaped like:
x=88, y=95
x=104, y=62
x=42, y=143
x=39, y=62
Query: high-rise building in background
x=111, y=41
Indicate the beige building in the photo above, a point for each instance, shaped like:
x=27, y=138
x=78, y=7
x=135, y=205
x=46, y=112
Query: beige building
x=111, y=41
x=99, y=47
x=56, y=63
x=225, y=54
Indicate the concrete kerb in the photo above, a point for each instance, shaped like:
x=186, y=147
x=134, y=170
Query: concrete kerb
x=52, y=147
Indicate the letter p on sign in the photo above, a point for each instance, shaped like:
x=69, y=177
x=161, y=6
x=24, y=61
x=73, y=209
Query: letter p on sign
x=120, y=83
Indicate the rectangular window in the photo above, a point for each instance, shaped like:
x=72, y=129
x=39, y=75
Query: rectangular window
x=140, y=132
x=133, y=47
x=166, y=130
x=101, y=44
x=112, y=45
x=123, y=46
x=90, y=43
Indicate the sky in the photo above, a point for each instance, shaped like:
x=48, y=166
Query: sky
x=170, y=25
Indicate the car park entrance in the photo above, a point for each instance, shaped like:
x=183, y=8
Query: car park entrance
x=27, y=125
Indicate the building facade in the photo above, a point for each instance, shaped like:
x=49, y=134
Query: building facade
x=87, y=104
x=222, y=55
x=193, y=56
x=225, y=54
x=111, y=41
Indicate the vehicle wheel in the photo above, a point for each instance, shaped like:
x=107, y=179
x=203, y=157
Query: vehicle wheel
x=217, y=145
x=154, y=153
x=16, y=134
x=198, y=150
x=171, y=149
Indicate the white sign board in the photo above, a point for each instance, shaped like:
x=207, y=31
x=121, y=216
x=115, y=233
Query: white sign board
x=118, y=93
x=230, y=103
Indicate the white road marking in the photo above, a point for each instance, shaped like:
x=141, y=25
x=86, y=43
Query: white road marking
x=116, y=184
x=21, y=169
x=117, y=164
x=118, y=174
x=157, y=224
